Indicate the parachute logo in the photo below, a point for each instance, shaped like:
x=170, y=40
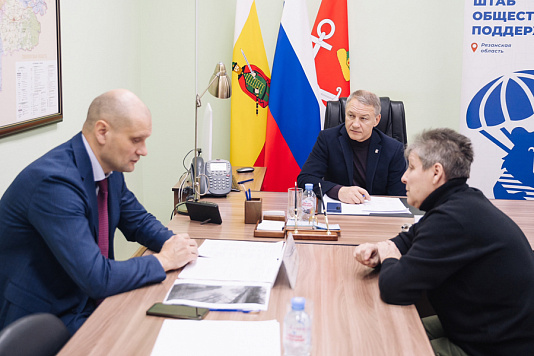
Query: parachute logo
x=501, y=111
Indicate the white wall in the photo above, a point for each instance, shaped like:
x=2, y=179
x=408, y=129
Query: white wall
x=408, y=50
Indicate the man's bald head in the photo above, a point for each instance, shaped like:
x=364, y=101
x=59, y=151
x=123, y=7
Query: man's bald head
x=117, y=107
x=117, y=126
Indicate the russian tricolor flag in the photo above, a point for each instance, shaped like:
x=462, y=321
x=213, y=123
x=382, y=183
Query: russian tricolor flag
x=294, y=117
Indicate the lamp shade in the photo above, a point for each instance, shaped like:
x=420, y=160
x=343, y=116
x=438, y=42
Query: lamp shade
x=220, y=87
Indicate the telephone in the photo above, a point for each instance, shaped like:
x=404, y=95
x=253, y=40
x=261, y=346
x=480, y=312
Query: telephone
x=215, y=176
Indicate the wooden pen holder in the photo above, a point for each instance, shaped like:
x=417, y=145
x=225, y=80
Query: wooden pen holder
x=253, y=211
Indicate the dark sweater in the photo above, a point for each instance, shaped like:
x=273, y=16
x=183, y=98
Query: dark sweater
x=477, y=268
x=360, y=150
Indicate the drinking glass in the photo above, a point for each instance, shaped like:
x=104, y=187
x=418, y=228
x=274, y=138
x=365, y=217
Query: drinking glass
x=294, y=201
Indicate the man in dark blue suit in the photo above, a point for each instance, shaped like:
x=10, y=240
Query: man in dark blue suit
x=355, y=160
x=52, y=257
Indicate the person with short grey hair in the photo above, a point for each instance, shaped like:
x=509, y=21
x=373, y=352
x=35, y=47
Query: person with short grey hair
x=366, y=98
x=453, y=150
x=474, y=263
x=355, y=160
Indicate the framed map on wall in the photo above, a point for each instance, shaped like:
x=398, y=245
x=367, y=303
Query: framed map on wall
x=30, y=65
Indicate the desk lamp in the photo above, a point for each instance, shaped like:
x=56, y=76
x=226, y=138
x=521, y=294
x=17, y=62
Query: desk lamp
x=219, y=87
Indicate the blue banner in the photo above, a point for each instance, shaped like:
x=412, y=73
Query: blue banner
x=498, y=95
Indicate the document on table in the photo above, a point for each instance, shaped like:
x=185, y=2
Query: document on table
x=244, y=261
x=377, y=205
x=229, y=275
x=215, y=337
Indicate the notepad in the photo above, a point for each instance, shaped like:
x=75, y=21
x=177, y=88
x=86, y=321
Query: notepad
x=217, y=337
x=229, y=275
x=333, y=227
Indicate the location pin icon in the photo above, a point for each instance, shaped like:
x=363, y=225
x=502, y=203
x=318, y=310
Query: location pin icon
x=474, y=46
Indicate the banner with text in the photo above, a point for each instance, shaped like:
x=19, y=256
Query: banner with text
x=498, y=95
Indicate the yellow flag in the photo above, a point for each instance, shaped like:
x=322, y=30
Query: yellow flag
x=251, y=80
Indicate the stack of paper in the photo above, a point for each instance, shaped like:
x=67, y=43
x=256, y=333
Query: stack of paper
x=377, y=205
x=271, y=225
x=222, y=338
x=385, y=205
x=229, y=275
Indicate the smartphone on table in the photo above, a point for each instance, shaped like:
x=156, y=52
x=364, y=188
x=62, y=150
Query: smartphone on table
x=177, y=311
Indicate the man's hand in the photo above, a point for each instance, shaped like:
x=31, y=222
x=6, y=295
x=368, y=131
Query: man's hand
x=371, y=255
x=353, y=195
x=367, y=254
x=177, y=251
x=387, y=249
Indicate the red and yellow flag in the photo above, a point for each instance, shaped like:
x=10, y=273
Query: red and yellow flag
x=251, y=81
x=330, y=37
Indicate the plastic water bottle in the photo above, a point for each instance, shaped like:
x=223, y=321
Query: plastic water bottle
x=297, y=330
x=308, y=202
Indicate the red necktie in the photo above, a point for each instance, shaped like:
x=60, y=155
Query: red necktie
x=103, y=220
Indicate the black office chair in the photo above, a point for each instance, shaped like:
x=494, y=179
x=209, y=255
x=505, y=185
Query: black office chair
x=39, y=334
x=392, y=123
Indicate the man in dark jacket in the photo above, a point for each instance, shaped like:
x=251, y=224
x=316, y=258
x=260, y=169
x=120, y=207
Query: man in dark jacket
x=354, y=159
x=473, y=261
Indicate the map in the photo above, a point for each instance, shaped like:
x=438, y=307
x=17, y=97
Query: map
x=29, y=63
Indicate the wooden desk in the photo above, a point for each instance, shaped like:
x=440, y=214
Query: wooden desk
x=349, y=318
x=354, y=229
x=258, y=175
x=522, y=212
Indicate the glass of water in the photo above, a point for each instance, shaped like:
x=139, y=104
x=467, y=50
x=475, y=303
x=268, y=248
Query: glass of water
x=294, y=203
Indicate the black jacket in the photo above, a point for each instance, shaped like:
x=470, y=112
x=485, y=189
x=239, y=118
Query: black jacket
x=477, y=268
x=331, y=159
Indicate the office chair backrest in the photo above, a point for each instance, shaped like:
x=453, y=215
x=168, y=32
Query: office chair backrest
x=392, y=123
x=40, y=334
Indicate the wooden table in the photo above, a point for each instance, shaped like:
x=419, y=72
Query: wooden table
x=354, y=229
x=258, y=175
x=349, y=318
x=522, y=212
